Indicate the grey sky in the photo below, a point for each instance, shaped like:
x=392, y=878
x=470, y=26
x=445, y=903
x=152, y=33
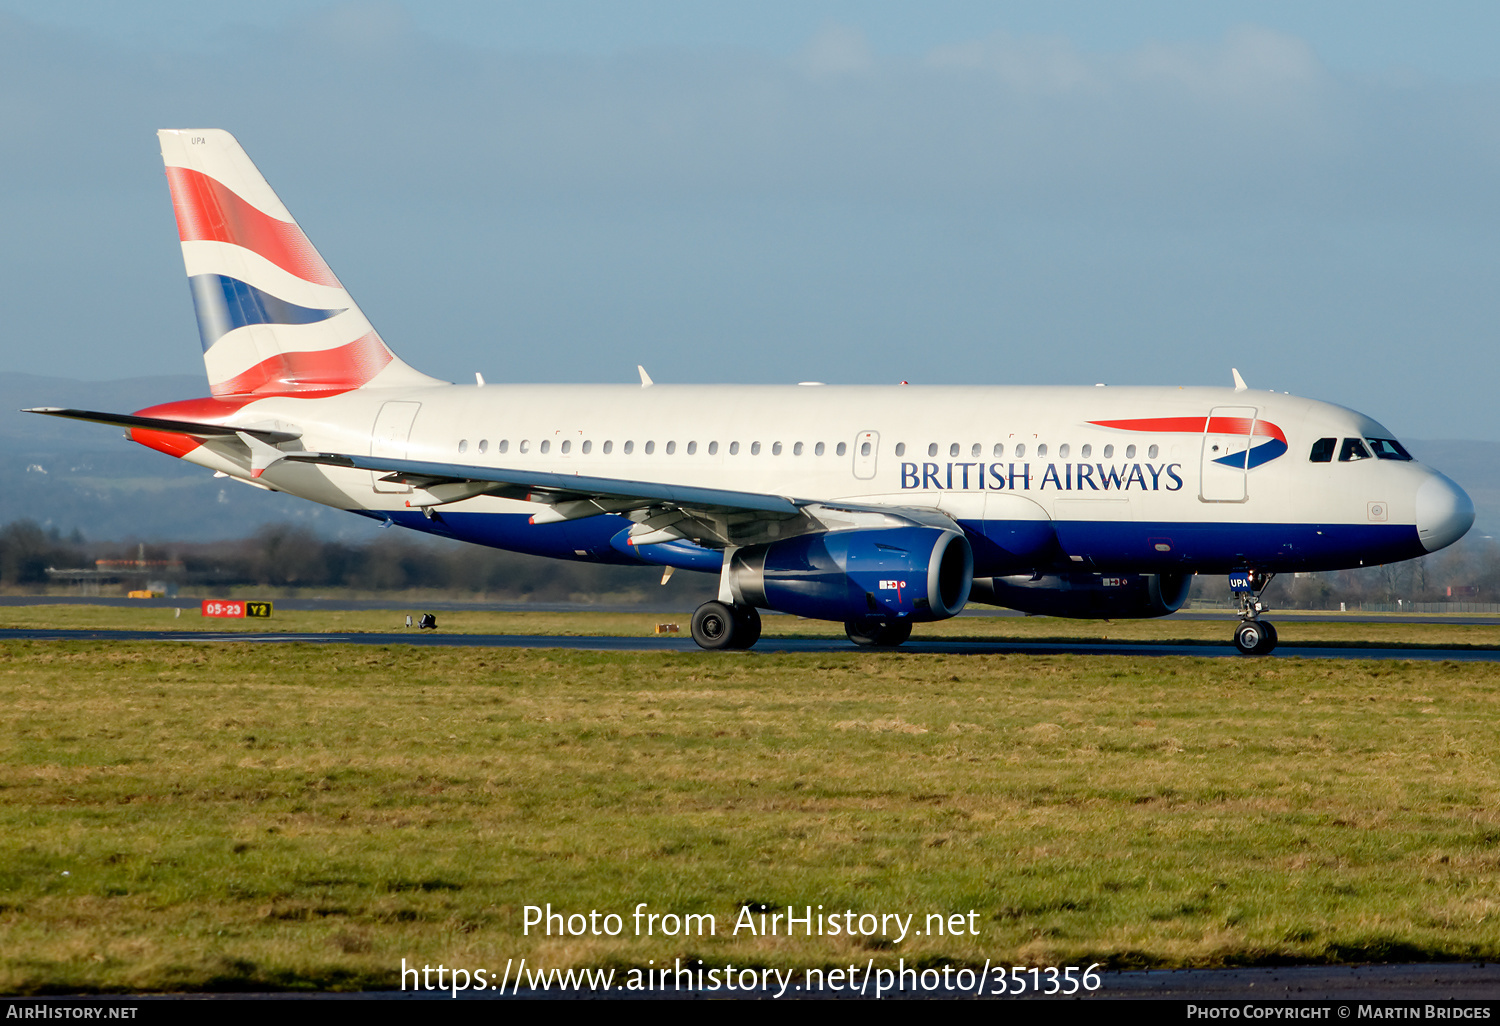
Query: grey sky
x=954, y=192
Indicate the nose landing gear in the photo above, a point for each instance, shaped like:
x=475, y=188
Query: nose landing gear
x=1253, y=636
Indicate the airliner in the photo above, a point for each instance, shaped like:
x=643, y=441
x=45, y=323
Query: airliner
x=880, y=507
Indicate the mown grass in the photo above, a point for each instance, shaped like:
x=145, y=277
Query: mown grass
x=182, y=816
x=1371, y=632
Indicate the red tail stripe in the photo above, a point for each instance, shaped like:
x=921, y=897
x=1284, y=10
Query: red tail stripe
x=1196, y=425
x=209, y=411
x=324, y=372
x=208, y=211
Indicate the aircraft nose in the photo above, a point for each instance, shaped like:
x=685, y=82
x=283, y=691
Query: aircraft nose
x=1444, y=512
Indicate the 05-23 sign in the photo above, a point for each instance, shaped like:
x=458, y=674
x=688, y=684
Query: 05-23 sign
x=235, y=609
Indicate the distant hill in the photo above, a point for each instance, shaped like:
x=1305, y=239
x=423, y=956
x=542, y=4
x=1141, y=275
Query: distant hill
x=86, y=477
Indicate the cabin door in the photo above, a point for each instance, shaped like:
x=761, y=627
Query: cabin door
x=389, y=439
x=1226, y=451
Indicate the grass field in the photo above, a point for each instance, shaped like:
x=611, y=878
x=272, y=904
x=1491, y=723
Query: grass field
x=980, y=628
x=181, y=816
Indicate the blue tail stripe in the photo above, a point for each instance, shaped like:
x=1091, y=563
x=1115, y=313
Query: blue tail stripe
x=225, y=303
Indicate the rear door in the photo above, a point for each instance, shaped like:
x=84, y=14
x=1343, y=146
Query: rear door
x=389, y=439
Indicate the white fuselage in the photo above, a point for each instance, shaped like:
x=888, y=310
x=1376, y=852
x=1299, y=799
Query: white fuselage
x=982, y=455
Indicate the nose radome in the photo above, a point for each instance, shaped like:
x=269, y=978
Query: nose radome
x=1444, y=512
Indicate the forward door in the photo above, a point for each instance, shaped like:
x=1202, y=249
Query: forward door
x=1226, y=452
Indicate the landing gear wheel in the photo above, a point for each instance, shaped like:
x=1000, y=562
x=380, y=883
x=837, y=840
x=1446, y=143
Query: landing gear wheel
x=1255, y=638
x=878, y=633
x=715, y=626
x=746, y=628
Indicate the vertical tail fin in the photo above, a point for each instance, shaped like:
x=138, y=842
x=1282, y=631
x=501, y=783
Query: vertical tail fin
x=273, y=318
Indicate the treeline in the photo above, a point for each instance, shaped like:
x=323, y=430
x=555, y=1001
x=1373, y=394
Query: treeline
x=287, y=556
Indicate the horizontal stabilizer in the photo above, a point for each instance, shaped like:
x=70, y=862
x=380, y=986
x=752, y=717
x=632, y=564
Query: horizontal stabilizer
x=179, y=427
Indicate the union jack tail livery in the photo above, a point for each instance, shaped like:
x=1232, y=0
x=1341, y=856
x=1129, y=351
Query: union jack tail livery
x=274, y=320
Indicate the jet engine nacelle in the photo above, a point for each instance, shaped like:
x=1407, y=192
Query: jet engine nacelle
x=1088, y=596
x=910, y=573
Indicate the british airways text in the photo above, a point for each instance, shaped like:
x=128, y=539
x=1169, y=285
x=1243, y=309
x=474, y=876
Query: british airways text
x=1063, y=477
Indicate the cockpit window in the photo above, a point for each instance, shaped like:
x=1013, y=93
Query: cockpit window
x=1353, y=450
x=1322, y=450
x=1388, y=449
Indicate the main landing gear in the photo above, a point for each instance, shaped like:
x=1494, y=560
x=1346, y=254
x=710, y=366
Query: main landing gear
x=1253, y=636
x=719, y=625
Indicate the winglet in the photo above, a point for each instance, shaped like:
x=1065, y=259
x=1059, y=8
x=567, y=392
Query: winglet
x=646, y=381
x=1239, y=382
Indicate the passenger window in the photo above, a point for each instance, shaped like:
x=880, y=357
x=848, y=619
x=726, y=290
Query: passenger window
x=671, y=448
x=864, y=449
x=503, y=446
x=713, y=448
x=1063, y=451
x=650, y=448
x=1152, y=452
x=566, y=446
x=1109, y=452
x=900, y=448
x=844, y=447
x=608, y=447
x=754, y=448
x=1130, y=452
x=546, y=445
x=976, y=450
x=1352, y=450
x=818, y=449
x=1041, y=450
x=463, y=445
x=931, y=449
x=1086, y=451
x=953, y=449
x=525, y=445
x=734, y=448
x=692, y=448
x=1322, y=450
x=999, y=450
x=587, y=446
x=484, y=445
x=775, y=448
x=1021, y=450
x=628, y=448
x=1385, y=449
x=797, y=449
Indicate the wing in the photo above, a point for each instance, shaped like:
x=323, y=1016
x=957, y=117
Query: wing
x=660, y=512
x=714, y=517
